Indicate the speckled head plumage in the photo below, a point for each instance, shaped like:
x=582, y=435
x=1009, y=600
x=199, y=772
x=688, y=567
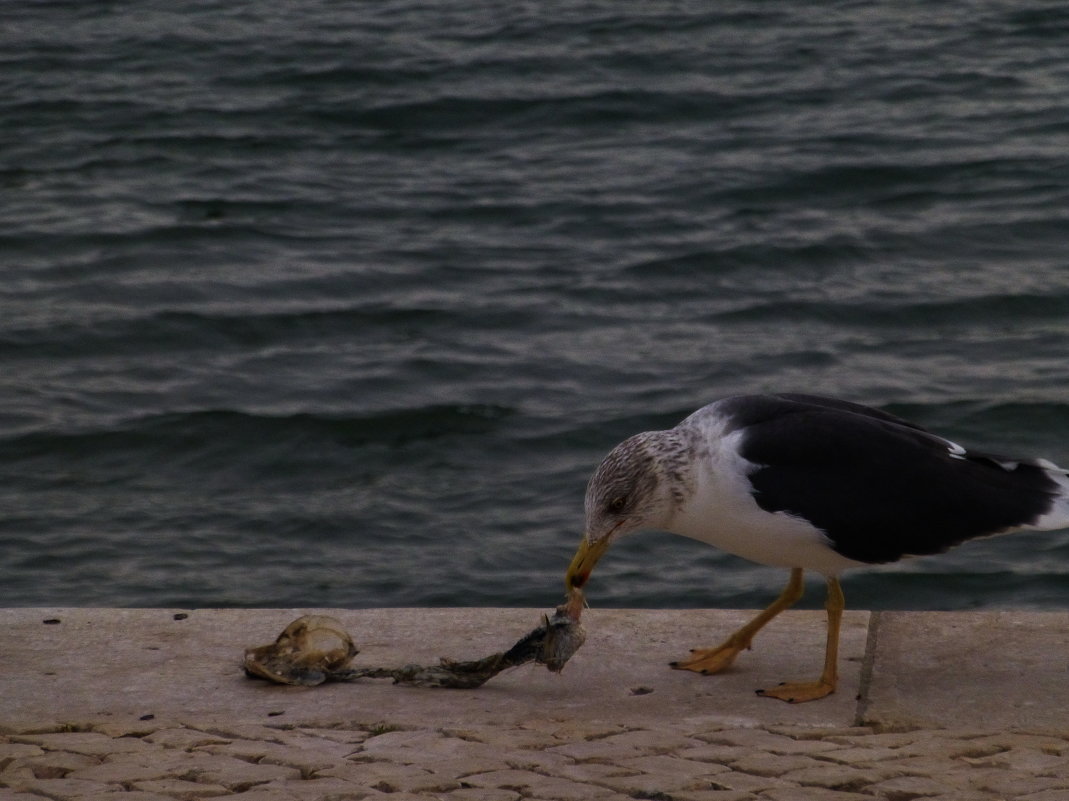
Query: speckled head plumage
x=640, y=484
x=624, y=488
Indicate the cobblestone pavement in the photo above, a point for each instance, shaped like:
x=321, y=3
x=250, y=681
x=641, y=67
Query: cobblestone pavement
x=551, y=761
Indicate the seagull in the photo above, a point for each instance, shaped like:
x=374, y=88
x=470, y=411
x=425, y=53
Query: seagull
x=809, y=483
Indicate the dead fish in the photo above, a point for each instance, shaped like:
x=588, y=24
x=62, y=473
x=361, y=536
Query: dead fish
x=311, y=650
x=565, y=634
x=552, y=644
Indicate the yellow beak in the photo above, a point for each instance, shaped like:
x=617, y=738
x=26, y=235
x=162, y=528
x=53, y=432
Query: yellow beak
x=583, y=562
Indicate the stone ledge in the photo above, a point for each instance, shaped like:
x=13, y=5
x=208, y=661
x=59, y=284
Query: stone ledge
x=900, y=670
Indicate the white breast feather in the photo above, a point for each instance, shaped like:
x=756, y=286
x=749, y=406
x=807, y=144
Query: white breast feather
x=722, y=512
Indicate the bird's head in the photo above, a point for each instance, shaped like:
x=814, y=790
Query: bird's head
x=633, y=488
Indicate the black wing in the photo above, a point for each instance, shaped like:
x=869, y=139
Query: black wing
x=879, y=487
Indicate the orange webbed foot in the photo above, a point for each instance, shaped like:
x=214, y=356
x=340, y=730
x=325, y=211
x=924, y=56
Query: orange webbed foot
x=799, y=692
x=710, y=660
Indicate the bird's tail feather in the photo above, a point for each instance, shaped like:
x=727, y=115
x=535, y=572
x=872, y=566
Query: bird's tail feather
x=1058, y=514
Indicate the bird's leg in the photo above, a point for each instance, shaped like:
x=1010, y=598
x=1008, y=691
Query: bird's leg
x=797, y=692
x=713, y=660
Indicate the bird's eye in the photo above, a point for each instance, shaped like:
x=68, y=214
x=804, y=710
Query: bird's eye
x=617, y=504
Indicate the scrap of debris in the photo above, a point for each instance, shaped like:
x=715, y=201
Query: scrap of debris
x=310, y=650
x=317, y=648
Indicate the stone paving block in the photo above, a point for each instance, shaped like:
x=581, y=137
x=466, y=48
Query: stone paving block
x=64, y=788
x=1026, y=760
x=229, y=772
x=428, y=748
x=265, y=793
x=1060, y=771
x=812, y=794
x=840, y=777
x=14, y=773
x=574, y=729
x=409, y=738
x=521, y=737
x=317, y=789
x=138, y=767
x=751, y=738
x=652, y=741
x=12, y=751
x=745, y=782
x=906, y=788
x=547, y=794
x=90, y=743
x=587, y=750
x=38, y=724
x=549, y=797
x=1007, y=741
x=452, y=771
x=951, y=747
x=134, y=729
x=508, y=779
x=125, y=795
x=656, y=785
x=769, y=764
x=716, y=754
x=536, y=785
x=305, y=760
x=445, y=771
x=184, y=738
x=667, y=765
x=181, y=789
x=57, y=764
x=551, y=789
x=388, y=777
x=237, y=774
x=1008, y=783
x=866, y=738
x=819, y=733
x=341, y=735
x=930, y=766
x=237, y=730
x=482, y=794
x=860, y=756
x=713, y=795
x=1043, y=795
x=539, y=761
x=803, y=747
x=304, y=738
x=590, y=772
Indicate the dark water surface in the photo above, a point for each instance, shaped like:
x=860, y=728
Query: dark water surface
x=339, y=304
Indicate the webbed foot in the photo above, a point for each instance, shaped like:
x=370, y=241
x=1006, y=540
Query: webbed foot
x=799, y=691
x=710, y=660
